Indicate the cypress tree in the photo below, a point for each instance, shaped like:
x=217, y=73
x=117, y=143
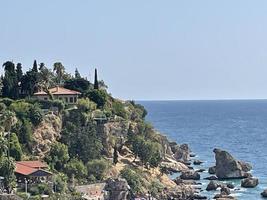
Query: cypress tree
x=77, y=74
x=115, y=155
x=96, y=85
x=35, y=66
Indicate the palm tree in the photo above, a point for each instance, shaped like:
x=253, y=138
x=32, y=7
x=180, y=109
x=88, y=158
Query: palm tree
x=46, y=80
x=7, y=120
x=60, y=70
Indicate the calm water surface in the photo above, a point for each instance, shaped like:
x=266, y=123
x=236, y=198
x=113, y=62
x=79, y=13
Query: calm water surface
x=238, y=126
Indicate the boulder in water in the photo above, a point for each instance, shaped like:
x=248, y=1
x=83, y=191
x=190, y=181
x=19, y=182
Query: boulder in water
x=213, y=185
x=249, y=182
x=227, y=167
x=264, y=193
x=182, y=153
x=212, y=170
x=190, y=175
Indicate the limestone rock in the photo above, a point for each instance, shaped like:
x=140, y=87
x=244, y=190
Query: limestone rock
x=182, y=153
x=47, y=132
x=213, y=185
x=227, y=166
x=249, y=182
x=190, y=175
x=118, y=189
x=212, y=170
x=264, y=193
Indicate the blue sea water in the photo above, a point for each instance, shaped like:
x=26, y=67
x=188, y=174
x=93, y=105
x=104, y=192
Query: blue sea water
x=238, y=126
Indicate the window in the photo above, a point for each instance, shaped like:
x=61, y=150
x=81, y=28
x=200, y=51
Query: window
x=66, y=99
x=71, y=99
x=45, y=98
x=75, y=99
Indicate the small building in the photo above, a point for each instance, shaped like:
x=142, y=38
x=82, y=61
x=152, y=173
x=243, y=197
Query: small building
x=66, y=95
x=32, y=171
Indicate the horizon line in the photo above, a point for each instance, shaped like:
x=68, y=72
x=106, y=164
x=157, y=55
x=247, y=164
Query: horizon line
x=226, y=99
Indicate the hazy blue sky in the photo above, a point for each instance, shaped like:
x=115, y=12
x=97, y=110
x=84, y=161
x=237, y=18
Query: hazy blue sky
x=146, y=49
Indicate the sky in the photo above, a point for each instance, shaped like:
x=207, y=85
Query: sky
x=146, y=49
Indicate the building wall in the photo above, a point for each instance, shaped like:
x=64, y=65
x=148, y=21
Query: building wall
x=69, y=99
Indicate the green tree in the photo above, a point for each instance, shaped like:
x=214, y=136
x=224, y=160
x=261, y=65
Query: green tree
x=7, y=168
x=83, y=142
x=100, y=97
x=15, y=148
x=79, y=84
x=46, y=80
x=115, y=154
x=97, y=168
x=10, y=81
x=58, y=156
x=96, y=85
x=19, y=72
x=25, y=134
x=3, y=146
x=133, y=178
x=76, y=168
x=29, y=81
x=77, y=74
x=59, y=69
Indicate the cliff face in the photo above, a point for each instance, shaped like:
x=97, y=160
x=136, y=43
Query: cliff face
x=47, y=132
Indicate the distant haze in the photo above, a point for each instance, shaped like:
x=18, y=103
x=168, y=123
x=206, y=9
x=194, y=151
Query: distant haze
x=146, y=49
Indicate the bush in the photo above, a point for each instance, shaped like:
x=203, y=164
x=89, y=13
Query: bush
x=7, y=101
x=156, y=188
x=133, y=178
x=98, y=168
x=60, y=183
x=40, y=189
x=86, y=105
x=35, y=114
x=75, y=168
x=15, y=148
x=100, y=97
x=58, y=156
x=119, y=109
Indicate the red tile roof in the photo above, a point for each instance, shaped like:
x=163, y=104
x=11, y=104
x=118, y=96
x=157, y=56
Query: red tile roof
x=33, y=164
x=59, y=91
x=24, y=170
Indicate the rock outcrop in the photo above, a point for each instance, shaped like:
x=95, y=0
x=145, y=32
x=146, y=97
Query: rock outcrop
x=249, y=182
x=182, y=153
x=212, y=170
x=47, y=132
x=264, y=193
x=228, y=167
x=213, y=185
x=118, y=189
x=190, y=175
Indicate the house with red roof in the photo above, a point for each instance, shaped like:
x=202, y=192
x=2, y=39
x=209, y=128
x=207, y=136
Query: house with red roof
x=31, y=170
x=61, y=93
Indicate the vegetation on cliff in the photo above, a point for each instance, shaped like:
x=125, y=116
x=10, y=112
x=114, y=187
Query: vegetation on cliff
x=96, y=137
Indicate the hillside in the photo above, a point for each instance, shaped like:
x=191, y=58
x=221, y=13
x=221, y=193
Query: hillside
x=96, y=139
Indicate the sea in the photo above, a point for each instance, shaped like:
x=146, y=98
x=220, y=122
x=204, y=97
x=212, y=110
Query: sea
x=237, y=126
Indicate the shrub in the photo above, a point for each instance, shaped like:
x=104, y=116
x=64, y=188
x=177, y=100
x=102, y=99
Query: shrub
x=15, y=148
x=133, y=178
x=119, y=109
x=76, y=168
x=58, y=155
x=100, y=97
x=60, y=183
x=98, y=168
x=86, y=105
x=156, y=188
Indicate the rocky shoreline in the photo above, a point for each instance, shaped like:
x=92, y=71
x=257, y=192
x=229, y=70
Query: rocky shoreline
x=226, y=168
